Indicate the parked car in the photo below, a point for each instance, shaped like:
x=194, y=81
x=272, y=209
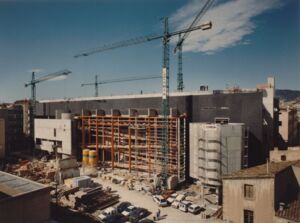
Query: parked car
x=184, y=205
x=172, y=198
x=146, y=220
x=160, y=200
x=194, y=209
x=138, y=214
x=175, y=204
x=122, y=206
x=180, y=197
x=128, y=210
x=115, y=218
x=107, y=212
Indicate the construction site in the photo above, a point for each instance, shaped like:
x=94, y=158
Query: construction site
x=149, y=156
x=135, y=143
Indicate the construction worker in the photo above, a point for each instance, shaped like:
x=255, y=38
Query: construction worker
x=158, y=214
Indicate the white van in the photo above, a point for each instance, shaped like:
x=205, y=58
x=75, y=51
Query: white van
x=194, y=209
x=184, y=205
x=160, y=200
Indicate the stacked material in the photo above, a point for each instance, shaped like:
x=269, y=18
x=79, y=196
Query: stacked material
x=90, y=199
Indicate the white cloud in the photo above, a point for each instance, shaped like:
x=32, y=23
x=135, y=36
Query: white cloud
x=232, y=22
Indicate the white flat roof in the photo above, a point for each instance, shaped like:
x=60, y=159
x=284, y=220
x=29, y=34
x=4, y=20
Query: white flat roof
x=152, y=95
x=13, y=186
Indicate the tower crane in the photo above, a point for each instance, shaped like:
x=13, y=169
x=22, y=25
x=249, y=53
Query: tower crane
x=96, y=83
x=165, y=37
x=181, y=39
x=33, y=83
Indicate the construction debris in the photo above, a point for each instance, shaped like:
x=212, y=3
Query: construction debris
x=39, y=171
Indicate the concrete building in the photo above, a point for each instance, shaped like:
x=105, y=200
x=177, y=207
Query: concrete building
x=2, y=138
x=26, y=111
x=23, y=201
x=59, y=134
x=216, y=149
x=266, y=193
x=244, y=108
x=14, y=135
x=289, y=154
x=288, y=128
x=248, y=106
x=270, y=115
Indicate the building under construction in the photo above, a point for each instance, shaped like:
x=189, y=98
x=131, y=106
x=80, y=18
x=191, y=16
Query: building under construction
x=135, y=142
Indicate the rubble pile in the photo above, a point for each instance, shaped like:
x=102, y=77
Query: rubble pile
x=36, y=170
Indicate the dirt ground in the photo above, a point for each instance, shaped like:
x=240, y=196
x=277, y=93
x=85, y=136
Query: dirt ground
x=170, y=215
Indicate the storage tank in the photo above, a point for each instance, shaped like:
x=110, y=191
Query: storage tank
x=93, y=158
x=85, y=156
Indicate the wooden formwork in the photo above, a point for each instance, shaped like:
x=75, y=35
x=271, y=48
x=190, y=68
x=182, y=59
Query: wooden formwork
x=135, y=142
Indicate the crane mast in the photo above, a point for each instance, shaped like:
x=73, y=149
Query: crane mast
x=179, y=44
x=33, y=83
x=165, y=99
x=180, y=85
x=96, y=86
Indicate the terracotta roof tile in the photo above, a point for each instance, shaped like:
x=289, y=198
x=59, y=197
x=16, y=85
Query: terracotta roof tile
x=291, y=212
x=260, y=171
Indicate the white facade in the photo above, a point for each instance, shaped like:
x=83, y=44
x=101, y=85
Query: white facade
x=215, y=149
x=54, y=133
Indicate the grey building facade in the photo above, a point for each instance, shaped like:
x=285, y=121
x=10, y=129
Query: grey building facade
x=241, y=107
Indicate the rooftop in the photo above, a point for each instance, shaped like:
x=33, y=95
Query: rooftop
x=150, y=95
x=291, y=212
x=12, y=186
x=262, y=171
x=146, y=95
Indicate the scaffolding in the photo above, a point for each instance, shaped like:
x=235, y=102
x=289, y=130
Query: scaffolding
x=135, y=143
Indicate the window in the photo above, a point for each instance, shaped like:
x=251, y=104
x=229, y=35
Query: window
x=54, y=132
x=59, y=144
x=283, y=158
x=38, y=141
x=248, y=191
x=248, y=216
x=221, y=120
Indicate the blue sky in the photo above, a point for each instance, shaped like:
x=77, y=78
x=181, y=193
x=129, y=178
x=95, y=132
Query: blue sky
x=250, y=40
